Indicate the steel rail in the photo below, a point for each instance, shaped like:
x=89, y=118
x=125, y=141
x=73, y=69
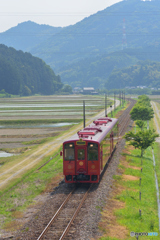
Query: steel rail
x=56, y=215
x=124, y=115
x=59, y=210
x=75, y=214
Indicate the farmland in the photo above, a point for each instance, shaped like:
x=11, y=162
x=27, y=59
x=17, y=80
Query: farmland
x=35, y=118
x=37, y=136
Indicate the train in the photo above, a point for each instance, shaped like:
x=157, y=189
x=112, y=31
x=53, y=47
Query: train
x=86, y=154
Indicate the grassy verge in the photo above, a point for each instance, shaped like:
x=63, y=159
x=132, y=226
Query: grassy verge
x=126, y=201
x=122, y=214
x=34, y=182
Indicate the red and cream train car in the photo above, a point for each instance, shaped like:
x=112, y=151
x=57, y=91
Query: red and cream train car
x=86, y=153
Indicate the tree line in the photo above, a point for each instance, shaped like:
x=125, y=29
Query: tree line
x=140, y=113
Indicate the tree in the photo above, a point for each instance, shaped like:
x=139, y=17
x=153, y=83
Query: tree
x=139, y=112
x=67, y=89
x=140, y=124
x=144, y=100
x=142, y=139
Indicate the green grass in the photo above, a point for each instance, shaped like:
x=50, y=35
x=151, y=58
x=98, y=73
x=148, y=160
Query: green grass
x=129, y=216
x=109, y=238
x=30, y=185
x=37, y=121
x=75, y=108
x=119, y=108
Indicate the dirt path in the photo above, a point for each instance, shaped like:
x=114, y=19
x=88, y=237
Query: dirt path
x=16, y=169
x=156, y=110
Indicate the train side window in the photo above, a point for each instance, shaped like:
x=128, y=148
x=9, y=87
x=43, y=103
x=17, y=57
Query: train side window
x=92, y=151
x=69, y=152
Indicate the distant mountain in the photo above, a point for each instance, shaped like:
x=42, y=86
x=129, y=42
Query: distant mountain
x=104, y=32
x=84, y=53
x=146, y=73
x=95, y=71
x=23, y=74
x=100, y=33
x=27, y=35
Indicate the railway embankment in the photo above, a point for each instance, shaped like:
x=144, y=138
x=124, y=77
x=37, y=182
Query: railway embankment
x=132, y=211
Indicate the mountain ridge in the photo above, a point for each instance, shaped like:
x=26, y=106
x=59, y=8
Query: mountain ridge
x=100, y=34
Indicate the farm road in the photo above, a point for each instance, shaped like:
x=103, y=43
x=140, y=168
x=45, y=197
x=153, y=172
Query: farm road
x=13, y=170
x=156, y=111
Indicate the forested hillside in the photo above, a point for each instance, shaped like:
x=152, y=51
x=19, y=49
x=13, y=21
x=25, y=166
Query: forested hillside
x=95, y=35
x=144, y=73
x=85, y=54
x=95, y=71
x=103, y=33
x=21, y=73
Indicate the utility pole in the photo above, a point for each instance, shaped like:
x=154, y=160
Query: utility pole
x=84, y=113
x=120, y=97
x=114, y=101
x=105, y=104
x=124, y=41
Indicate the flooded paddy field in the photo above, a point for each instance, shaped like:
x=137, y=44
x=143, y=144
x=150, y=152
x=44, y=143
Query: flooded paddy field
x=26, y=121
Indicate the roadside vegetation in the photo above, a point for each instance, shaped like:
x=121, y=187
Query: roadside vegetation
x=133, y=205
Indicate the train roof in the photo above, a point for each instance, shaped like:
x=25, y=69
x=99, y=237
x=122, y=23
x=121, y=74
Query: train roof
x=96, y=131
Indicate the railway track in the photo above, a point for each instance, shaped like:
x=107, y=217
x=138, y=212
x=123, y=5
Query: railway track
x=69, y=209
x=124, y=119
x=57, y=226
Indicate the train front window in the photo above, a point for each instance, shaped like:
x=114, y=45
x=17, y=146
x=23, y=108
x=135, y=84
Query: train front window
x=92, y=151
x=69, y=152
x=81, y=154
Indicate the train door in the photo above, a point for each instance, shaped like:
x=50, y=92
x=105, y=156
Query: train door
x=101, y=156
x=111, y=142
x=81, y=160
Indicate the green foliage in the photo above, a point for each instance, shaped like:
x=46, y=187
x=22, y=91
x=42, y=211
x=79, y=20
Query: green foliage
x=140, y=124
x=67, y=89
x=142, y=139
x=144, y=73
x=23, y=74
x=140, y=112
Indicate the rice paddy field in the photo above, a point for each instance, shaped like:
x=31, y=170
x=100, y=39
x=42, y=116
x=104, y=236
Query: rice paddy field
x=34, y=118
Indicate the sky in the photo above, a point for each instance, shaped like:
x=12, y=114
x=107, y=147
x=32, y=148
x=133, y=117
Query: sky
x=56, y=13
